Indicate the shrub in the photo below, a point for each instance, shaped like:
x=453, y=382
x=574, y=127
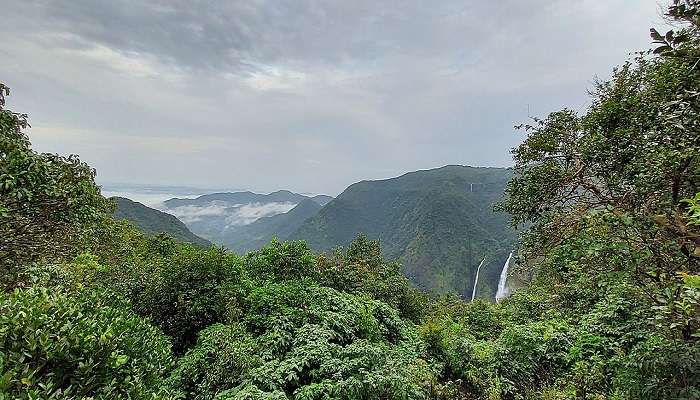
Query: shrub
x=60, y=345
x=362, y=270
x=280, y=261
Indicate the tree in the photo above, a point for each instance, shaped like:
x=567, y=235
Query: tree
x=46, y=200
x=628, y=164
x=610, y=196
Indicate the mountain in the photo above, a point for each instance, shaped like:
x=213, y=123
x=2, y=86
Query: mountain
x=151, y=221
x=438, y=223
x=280, y=196
x=224, y=218
x=281, y=226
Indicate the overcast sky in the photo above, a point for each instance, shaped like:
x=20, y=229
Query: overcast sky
x=303, y=95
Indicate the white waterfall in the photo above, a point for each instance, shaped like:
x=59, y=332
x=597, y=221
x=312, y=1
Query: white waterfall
x=502, y=288
x=476, y=280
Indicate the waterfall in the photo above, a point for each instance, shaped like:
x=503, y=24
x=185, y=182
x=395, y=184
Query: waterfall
x=476, y=280
x=502, y=289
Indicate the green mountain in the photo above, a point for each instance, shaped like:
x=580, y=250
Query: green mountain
x=151, y=221
x=282, y=226
x=438, y=223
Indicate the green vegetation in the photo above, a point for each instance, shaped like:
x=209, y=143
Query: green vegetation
x=90, y=308
x=46, y=201
x=85, y=344
x=153, y=222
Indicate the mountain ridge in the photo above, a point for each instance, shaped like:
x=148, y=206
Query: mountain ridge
x=245, y=197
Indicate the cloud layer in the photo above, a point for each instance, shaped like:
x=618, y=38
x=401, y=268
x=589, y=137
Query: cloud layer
x=228, y=215
x=306, y=95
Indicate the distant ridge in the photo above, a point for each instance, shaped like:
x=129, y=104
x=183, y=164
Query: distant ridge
x=224, y=217
x=322, y=199
x=282, y=196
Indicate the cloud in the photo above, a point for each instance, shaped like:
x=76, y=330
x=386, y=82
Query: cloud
x=249, y=213
x=192, y=213
x=229, y=215
x=307, y=95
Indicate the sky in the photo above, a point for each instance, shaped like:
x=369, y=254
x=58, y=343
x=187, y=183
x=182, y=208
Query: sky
x=304, y=95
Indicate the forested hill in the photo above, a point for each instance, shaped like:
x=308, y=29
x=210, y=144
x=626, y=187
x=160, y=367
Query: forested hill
x=438, y=223
x=152, y=221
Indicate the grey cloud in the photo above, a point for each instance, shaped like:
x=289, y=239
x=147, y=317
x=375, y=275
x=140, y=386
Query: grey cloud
x=307, y=95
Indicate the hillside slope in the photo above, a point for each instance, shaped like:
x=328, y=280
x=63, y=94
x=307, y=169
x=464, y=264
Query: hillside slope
x=151, y=221
x=438, y=223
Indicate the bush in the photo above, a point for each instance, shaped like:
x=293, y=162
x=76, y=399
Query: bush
x=280, y=261
x=222, y=358
x=307, y=342
x=181, y=290
x=60, y=345
x=514, y=360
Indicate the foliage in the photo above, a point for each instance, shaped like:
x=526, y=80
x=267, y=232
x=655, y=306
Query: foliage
x=221, y=360
x=298, y=340
x=280, y=261
x=77, y=345
x=179, y=287
x=362, y=270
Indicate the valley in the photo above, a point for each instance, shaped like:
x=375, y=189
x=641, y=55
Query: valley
x=439, y=224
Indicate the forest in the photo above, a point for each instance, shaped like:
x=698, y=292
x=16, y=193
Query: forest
x=91, y=308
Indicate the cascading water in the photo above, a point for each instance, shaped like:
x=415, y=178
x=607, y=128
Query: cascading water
x=476, y=280
x=502, y=288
